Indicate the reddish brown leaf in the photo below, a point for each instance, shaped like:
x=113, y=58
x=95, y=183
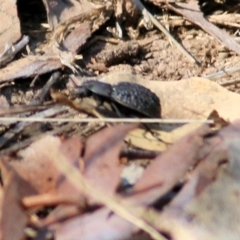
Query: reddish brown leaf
x=169, y=168
x=102, y=165
x=78, y=37
x=102, y=170
x=13, y=216
x=37, y=164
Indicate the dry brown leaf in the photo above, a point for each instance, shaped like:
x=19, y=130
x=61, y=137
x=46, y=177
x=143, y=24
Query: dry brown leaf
x=101, y=168
x=78, y=37
x=37, y=165
x=101, y=224
x=11, y=209
x=207, y=207
x=169, y=168
x=102, y=165
x=101, y=162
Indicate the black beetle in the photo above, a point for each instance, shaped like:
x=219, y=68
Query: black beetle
x=128, y=99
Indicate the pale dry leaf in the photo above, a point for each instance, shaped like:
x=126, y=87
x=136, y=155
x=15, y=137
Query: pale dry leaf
x=160, y=140
x=143, y=139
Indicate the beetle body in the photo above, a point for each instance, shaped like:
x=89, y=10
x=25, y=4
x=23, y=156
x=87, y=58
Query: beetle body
x=128, y=99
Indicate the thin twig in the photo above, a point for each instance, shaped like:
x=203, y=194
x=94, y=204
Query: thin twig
x=229, y=83
x=223, y=73
x=11, y=50
x=146, y=13
x=26, y=108
x=46, y=88
x=114, y=120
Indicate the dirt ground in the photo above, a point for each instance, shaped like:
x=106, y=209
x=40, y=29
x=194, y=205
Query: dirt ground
x=157, y=59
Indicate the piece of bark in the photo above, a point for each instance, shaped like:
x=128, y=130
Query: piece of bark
x=192, y=12
x=10, y=26
x=40, y=64
x=59, y=11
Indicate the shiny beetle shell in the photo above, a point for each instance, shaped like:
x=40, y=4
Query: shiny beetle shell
x=126, y=96
x=137, y=98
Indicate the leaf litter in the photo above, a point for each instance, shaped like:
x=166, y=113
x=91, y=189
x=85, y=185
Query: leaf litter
x=68, y=180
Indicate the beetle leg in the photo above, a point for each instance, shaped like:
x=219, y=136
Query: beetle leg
x=116, y=109
x=98, y=100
